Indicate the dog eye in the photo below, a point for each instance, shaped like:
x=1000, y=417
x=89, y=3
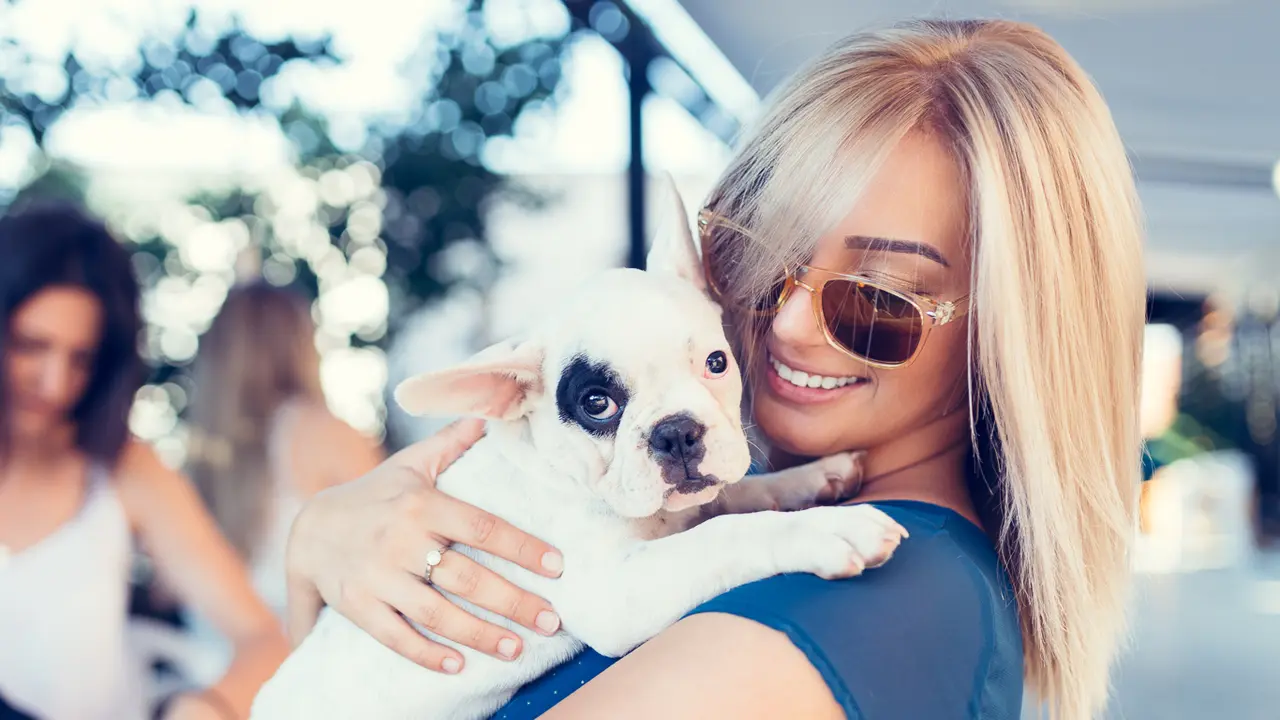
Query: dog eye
x=599, y=406
x=717, y=364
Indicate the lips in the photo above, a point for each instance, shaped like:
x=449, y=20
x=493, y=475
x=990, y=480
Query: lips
x=800, y=378
x=34, y=406
x=805, y=387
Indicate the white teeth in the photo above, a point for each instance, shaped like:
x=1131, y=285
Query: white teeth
x=800, y=378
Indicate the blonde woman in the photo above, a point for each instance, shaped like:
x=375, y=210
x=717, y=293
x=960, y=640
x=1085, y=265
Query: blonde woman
x=930, y=250
x=263, y=440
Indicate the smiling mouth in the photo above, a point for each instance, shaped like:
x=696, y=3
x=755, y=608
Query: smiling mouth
x=802, y=379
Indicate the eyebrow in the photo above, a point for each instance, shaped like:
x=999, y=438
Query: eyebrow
x=865, y=242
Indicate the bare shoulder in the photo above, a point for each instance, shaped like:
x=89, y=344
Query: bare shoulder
x=140, y=467
x=313, y=419
x=707, y=665
x=325, y=450
x=148, y=486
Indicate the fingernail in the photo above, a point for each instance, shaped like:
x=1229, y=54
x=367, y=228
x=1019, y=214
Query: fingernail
x=553, y=562
x=507, y=648
x=548, y=622
x=451, y=665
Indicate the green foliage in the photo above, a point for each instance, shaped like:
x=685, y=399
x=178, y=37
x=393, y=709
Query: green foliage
x=434, y=185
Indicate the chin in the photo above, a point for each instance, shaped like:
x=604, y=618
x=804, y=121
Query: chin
x=800, y=433
x=32, y=428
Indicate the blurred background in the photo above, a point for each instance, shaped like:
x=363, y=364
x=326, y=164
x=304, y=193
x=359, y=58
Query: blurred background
x=426, y=171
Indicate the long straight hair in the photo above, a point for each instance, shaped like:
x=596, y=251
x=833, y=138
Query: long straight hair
x=258, y=355
x=1058, y=293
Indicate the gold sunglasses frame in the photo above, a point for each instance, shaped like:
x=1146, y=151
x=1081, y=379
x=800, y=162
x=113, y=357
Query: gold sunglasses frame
x=933, y=313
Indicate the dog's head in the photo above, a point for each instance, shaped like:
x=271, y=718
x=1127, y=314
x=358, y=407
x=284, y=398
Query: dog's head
x=628, y=386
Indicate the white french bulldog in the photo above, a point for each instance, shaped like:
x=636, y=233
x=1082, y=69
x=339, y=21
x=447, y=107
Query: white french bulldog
x=613, y=426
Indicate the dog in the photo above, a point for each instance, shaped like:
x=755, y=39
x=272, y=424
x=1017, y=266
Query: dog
x=613, y=425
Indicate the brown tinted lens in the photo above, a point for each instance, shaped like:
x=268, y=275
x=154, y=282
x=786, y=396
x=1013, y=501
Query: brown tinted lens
x=872, y=322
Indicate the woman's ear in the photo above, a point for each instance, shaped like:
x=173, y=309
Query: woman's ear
x=498, y=383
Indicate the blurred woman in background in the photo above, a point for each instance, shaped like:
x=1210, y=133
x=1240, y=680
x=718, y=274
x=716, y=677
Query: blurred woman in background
x=263, y=440
x=74, y=488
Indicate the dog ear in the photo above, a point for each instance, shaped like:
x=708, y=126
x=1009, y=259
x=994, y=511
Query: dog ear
x=497, y=383
x=674, y=250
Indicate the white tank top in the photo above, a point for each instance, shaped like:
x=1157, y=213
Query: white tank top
x=63, y=609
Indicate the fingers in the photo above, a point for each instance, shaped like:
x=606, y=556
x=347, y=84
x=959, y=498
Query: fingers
x=391, y=630
x=464, y=577
x=418, y=602
x=431, y=456
x=476, y=528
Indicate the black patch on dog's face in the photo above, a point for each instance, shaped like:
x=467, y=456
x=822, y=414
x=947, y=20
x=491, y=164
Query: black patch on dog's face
x=582, y=382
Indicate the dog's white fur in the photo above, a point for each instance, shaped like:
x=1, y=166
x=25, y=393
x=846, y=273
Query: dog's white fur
x=637, y=553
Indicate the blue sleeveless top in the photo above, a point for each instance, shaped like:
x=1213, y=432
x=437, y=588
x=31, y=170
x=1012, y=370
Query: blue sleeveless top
x=932, y=634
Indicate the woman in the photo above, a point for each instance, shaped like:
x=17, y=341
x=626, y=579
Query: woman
x=263, y=440
x=939, y=221
x=74, y=488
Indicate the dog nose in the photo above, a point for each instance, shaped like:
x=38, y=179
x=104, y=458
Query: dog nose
x=677, y=439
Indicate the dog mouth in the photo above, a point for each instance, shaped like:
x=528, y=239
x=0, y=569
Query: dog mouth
x=692, y=485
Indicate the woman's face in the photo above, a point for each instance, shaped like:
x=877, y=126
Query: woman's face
x=53, y=338
x=918, y=201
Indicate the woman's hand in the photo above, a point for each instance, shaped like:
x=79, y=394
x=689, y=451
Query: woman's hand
x=362, y=547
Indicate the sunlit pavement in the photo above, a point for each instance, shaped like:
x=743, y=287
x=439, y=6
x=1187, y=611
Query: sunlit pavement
x=1205, y=645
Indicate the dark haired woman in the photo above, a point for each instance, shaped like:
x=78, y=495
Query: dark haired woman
x=75, y=488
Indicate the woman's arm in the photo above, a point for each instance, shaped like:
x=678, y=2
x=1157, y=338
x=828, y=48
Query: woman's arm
x=196, y=561
x=707, y=665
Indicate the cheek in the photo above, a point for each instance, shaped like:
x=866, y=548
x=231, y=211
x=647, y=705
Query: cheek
x=79, y=382
x=20, y=371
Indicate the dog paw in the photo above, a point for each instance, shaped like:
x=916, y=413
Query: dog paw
x=840, y=542
x=829, y=480
x=841, y=476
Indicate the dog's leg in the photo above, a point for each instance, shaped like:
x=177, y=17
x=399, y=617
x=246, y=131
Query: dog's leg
x=828, y=480
x=661, y=580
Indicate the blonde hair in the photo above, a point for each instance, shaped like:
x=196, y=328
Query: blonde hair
x=258, y=354
x=1058, y=293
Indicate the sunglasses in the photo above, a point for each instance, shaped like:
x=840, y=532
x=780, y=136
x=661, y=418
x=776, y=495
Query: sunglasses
x=863, y=318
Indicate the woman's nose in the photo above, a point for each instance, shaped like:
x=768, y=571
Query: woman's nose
x=795, y=323
x=56, y=381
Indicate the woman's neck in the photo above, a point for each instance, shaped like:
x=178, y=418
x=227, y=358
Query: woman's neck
x=37, y=453
x=926, y=465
